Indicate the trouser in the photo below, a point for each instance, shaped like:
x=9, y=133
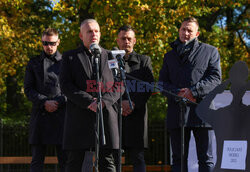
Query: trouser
x=203, y=140
x=136, y=156
x=106, y=160
x=38, y=156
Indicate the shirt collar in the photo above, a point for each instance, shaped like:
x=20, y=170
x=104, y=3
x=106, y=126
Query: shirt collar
x=132, y=57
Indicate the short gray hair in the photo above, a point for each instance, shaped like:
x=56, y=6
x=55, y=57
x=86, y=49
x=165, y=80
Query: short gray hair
x=88, y=21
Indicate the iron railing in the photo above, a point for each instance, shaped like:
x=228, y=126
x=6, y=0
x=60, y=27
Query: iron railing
x=14, y=142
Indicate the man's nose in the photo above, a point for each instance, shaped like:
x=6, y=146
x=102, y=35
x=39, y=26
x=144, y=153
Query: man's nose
x=186, y=32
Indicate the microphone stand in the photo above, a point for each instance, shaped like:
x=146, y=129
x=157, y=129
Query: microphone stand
x=182, y=101
x=99, y=114
x=182, y=104
x=122, y=79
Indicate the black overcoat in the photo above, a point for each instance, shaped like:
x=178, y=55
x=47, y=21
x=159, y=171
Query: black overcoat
x=77, y=84
x=199, y=71
x=135, y=125
x=41, y=83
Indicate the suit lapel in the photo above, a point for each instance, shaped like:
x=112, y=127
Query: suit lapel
x=85, y=63
x=83, y=57
x=103, y=61
x=193, y=51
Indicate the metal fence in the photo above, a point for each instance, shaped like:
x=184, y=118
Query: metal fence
x=14, y=142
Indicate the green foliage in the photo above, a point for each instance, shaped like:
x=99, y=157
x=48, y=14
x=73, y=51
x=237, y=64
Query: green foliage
x=157, y=107
x=67, y=21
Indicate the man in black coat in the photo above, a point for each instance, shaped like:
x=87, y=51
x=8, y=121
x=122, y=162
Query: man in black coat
x=191, y=70
x=77, y=80
x=41, y=86
x=135, y=122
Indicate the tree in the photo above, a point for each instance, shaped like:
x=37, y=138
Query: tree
x=228, y=30
x=223, y=24
x=157, y=23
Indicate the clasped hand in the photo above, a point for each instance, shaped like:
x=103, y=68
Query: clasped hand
x=51, y=105
x=126, y=110
x=93, y=105
x=186, y=92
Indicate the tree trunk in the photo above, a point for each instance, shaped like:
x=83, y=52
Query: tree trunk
x=12, y=97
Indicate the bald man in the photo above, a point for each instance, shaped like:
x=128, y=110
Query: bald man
x=77, y=82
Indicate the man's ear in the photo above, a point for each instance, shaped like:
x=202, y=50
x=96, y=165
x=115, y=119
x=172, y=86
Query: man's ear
x=197, y=34
x=80, y=35
x=134, y=41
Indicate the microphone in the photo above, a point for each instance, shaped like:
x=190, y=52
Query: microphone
x=113, y=65
x=119, y=54
x=95, y=49
x=116, y=53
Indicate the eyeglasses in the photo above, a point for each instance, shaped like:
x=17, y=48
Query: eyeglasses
x=46, y=43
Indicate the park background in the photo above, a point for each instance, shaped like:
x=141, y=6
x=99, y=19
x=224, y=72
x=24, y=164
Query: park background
x=223, y=24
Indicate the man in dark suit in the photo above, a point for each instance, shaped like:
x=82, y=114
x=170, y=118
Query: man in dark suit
x=41, y=86
x=77, y=82
x=191, y=70
x=135, y=123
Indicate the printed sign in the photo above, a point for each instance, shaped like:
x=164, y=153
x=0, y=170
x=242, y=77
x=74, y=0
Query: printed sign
x=113, y=64
x=234, y=154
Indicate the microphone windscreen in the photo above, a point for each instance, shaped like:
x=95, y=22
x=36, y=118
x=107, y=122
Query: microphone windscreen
x=118, y=53
x=95, y=48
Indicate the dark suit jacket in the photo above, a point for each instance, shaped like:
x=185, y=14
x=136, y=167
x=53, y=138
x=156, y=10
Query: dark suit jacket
x=199, y=71
x=41, y=83
x=135, y=125
x=76, y=84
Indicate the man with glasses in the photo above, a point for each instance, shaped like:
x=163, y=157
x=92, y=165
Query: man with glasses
x=41, y=86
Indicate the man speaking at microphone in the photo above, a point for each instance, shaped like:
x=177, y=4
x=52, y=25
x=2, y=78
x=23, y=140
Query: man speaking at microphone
x=78, y=70
x=135, y=122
